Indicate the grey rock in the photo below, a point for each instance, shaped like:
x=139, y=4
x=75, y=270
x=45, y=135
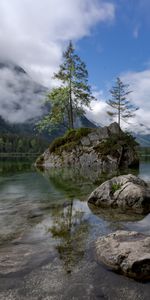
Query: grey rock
x=125, y=252
x=126, y=192
x=86, y=153
x=93, y=137
x=103, y=133
x=114, y=128
x=85, y=141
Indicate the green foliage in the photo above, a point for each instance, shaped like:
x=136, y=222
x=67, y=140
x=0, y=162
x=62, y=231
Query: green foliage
x=58, y=114
x=13, y=143
x=115, y=187
x=114, y=144
x=69, y=140
x=69, y=100
x=120, y=103
x=68, y=146
x=73, y=75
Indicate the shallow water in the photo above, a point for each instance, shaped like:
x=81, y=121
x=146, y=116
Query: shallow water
x=47, y=235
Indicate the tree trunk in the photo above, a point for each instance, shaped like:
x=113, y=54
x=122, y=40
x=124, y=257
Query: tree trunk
x=70, y=103
x=119, y=108
x=119, y=116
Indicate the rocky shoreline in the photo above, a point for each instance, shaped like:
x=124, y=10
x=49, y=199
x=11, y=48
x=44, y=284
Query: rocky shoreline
x=126, y=252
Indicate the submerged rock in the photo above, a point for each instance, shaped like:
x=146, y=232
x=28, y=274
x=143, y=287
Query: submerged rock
x=126, y=252
x=106, y=149
x=127, y=192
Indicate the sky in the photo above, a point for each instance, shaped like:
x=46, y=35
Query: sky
x=110, y=36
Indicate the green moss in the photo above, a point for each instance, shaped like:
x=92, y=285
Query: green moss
x=115, y=187
x=68, y=146
x=69, y=140
x=40, y=160
x=113, y=145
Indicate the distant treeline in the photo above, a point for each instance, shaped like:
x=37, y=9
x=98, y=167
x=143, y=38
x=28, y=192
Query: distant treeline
x=13, y=143
x=144, y=150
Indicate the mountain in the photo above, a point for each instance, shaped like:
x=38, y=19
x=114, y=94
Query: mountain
x=21, y=106
x=20, y=96
x=143, y=139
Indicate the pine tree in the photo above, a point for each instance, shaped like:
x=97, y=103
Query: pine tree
x=119, y=102
x=74, y=77
x=59, y=113
x=72, y=96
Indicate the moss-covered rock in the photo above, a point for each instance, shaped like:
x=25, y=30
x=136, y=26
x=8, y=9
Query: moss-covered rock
x=69, y=140
x=107, y=148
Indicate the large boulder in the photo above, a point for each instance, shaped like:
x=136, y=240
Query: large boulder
x=127, y=192
x=125, y=252
x=106, y=149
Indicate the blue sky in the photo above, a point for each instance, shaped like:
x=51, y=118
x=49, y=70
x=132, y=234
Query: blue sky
x=111, y=36
x=118, y=46
x=121, y=48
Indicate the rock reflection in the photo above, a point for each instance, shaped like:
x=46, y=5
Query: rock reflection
x=76, y=182
x=114, y=214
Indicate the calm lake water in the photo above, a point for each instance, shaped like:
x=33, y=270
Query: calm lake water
x=47, y=235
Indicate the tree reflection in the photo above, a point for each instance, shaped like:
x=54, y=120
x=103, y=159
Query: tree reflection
x=71, y=230
x=70, y=227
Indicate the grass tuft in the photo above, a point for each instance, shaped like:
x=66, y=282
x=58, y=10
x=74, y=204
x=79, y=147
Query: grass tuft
x=69, y=140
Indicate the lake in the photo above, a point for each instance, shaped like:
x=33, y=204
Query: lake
x=47, y=236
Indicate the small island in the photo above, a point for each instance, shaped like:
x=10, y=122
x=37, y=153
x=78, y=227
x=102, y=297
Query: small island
x=107, y=149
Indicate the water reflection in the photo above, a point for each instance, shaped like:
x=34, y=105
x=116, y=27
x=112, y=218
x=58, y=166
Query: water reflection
x=47, y=233
x=144, y=170
x=11, y=166
x=114, y=215
x=140, y=226
x=79, y=182
x=71, y=228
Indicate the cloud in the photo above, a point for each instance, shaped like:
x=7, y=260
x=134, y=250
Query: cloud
x=140, y=85
x=20, y=97
x=34, y=33
x=98, y=112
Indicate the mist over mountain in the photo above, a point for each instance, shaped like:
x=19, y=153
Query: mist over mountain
x=22, y=103
x=21, y=99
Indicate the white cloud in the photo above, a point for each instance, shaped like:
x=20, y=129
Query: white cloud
x=98, y=112
x=33, y=33
x=140, y=85
x=20, y=97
